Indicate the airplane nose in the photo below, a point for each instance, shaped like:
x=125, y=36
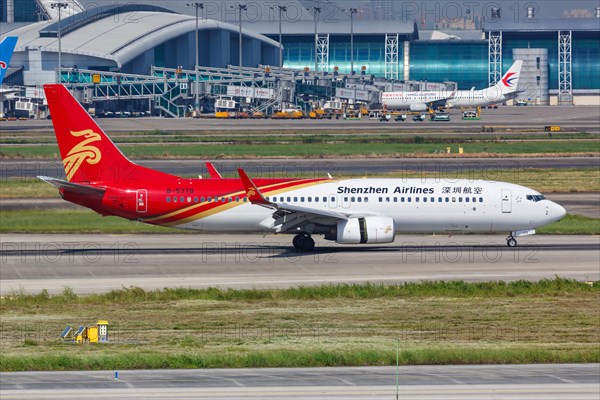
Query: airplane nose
x=557, y=211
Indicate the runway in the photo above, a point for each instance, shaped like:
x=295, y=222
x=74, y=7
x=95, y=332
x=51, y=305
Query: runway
x=500, y=169
x=100, y=263
x=499, y=382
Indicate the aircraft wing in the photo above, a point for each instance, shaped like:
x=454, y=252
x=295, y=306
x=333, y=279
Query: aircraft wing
x=286, y=214
x=73, y=187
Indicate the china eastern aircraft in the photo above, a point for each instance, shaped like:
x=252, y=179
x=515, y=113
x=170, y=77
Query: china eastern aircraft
x=504, y=90
x=347, y=211
x=7, y=46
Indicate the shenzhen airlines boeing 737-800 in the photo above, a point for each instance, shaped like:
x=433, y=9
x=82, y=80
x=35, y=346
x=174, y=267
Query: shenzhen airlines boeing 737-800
x=347, y=211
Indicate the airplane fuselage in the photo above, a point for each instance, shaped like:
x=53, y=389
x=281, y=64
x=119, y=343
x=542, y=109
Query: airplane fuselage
x=414, y=205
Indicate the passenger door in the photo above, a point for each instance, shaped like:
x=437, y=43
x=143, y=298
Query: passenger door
x=506, y=201
x=141, y=201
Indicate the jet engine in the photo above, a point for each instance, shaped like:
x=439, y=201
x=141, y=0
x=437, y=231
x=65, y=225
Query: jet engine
x=418, y=107
x=365, y=230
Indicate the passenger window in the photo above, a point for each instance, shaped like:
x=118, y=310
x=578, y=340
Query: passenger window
x=295, y=199
x=202, y=199
x=174, y=199
x=209, y=199
x=231, y=199
x=289, y=199
x=424, y=199
x=417, y=199
x=359, y=199
x=310, y=199
x=454, y=199
x=433, y=199
x=447, y=199
x=366, y=199
x=182, y=199
x=409, y=199
x=395, y=199
x=237, y=199
x=460, y=199
x=481, y=199
x=402, y=199
x=302, y=199
x=381, y=199
x=466, y=199
x=168, y=199
x=440, y=200
x=195, y=200
x=387, y=199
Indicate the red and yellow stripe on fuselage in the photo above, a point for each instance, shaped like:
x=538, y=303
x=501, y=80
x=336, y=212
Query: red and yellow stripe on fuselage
x=205, y=209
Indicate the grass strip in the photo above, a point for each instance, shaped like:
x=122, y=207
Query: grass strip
x=87, y=221
x=453, y=322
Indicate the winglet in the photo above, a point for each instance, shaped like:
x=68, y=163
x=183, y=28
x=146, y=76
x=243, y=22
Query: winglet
x=254, y=195
x=212, y=171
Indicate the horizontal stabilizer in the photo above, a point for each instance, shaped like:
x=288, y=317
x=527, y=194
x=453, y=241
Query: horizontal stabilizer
x=73, y=187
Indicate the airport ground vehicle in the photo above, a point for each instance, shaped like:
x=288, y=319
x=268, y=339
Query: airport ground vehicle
x=440, y=117
x=470, y=115
x=420, y=118
x=400, y=118
x=347, y=211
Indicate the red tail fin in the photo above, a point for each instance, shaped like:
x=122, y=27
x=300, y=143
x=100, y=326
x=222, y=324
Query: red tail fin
x=88, y=154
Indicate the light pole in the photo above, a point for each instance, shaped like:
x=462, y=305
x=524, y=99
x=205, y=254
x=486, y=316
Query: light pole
x=197, y=95
x=316, y=10
x=59, y=6
x=282, y=9
x=241, y=7
x=352, y=12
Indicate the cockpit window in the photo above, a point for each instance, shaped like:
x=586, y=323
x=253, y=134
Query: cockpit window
x=535, y=197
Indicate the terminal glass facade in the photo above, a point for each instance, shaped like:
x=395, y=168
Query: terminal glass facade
x=586, y=55
x=457, y=61
x=24, y=11
x=369, y=51
x=464, y=62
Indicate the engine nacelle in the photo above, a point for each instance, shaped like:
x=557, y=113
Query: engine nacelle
x=418, y=107
x=366, y=230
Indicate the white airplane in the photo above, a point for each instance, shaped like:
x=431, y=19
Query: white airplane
x=505, y=89
x=347, y=211
x=414, y=101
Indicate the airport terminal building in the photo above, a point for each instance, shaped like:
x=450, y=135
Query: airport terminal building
x=562, y=56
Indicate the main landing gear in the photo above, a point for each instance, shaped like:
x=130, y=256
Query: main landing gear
x=511, y=241
x=303, y=242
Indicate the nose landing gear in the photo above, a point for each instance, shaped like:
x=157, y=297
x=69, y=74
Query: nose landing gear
x=303, y=242
x=511, y=241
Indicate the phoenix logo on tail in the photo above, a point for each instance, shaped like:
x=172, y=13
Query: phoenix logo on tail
x=82, y=152
x=7, y=46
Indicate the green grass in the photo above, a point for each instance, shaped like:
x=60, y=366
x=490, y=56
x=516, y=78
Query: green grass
x=87, y=221
x=70, y=221
x=572, y=225
x=317, y=148
x=333, y=325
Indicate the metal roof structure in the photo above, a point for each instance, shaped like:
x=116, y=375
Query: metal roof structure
x=336, y=28
x=119, y=39
x=542, y=25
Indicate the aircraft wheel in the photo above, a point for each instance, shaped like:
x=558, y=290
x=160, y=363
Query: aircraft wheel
x=511, y=242
x=296, y=241
x=307, y=243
